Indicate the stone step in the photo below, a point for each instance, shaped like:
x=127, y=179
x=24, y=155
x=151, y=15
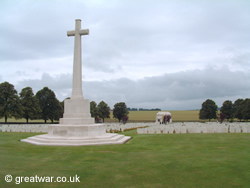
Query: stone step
x=77, y=141
x=45, y=138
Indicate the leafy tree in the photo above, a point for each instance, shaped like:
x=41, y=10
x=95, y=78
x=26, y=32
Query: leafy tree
x=94, y=110
x=58, y=112
x=62, y=105
x=30, y=104
x=124, y=119
x=103, y=110
x=245, y=106
x=221, y=117
x=9, y=102
x=227, y=109
x=50, y=106
x=208, y=110
x=237, y=111
x=120, y=110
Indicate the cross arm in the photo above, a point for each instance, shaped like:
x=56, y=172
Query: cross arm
x=81, y=32
x=71, y=33
x=84, y=32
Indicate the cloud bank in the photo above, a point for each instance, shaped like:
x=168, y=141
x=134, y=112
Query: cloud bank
x=182, y=90
x=149, y=54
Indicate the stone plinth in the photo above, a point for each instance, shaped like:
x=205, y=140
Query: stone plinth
x=77, y=130
x=76, y=112
x=48, y=140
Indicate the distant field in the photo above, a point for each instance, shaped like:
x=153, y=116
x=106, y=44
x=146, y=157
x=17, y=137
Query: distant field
x=188, y=115
x=149, y=116
x=138, y=116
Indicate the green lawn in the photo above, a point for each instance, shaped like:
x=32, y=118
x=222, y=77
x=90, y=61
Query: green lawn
x=176, y=160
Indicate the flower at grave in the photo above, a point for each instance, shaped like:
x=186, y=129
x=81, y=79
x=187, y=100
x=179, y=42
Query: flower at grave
x=173, y=131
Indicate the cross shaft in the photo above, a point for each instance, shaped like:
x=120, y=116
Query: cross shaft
x=77, y=67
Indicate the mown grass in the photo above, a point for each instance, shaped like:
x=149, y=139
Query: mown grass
x=177, y=160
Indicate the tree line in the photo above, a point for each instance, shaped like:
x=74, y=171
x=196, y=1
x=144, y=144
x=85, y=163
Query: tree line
x=143, y=109
x=44, y=105
x=102, y=111
x=240, y=109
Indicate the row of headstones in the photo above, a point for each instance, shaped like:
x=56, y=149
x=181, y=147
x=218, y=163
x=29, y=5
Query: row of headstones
x=186, y=127
x=198, y=128
x=39, y=128
x=213, y=123
x=232, y=127
x=236, y=125
x=43, y=128
x=122, y=127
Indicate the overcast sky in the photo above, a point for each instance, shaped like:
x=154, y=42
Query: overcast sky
x=168, y=54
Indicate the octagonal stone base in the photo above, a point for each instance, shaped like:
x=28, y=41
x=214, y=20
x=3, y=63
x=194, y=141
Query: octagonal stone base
x=77, y=135
x=77, y=130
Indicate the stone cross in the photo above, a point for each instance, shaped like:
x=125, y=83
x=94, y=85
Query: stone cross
x=77, y=127
x=77, y=68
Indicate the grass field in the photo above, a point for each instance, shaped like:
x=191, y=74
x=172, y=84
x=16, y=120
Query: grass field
x=145, y=116
x=177, y=160
x=140, y=116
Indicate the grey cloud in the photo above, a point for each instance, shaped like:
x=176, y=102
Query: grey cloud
x=132, y=38
x=171, y=89
x=176, y=91
x=60, y=84
x=21, y=73
x=241, y=59
x=200, y=28
x=38, y=31
x=118, y=30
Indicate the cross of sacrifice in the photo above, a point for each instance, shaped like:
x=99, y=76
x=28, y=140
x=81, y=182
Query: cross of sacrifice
x=77, y=67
